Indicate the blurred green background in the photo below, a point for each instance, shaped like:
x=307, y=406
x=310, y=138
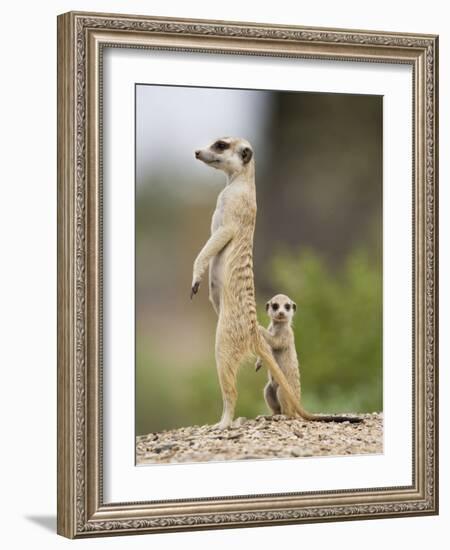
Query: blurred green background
x=318, y=239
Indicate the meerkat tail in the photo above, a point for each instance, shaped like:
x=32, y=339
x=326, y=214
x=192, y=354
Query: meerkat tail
x=281, y=380
x=330, y=418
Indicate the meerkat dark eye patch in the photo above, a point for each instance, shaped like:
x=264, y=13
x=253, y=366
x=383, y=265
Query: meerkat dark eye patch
x=246, y=154
x=275, y=306
x=221, y=145
x=287, y=307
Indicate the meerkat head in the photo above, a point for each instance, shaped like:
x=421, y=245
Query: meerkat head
x=231, y=155
x=281, y=308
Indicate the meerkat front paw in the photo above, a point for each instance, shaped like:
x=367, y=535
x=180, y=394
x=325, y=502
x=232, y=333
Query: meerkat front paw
x=258, y=364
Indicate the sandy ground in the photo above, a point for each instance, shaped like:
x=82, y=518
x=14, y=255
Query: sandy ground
x=263, y=437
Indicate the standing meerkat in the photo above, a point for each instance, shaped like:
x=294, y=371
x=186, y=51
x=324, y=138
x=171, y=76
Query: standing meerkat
x=229, y=255
x=280, y=337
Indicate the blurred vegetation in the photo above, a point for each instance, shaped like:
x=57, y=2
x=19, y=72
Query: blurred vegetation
x=318, y=238
x=192, y=397
x=338, y=329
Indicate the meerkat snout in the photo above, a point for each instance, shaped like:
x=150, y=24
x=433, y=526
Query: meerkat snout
x=281, y=308
x=231, y=155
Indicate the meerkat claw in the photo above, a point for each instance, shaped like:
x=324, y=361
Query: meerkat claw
x=194, y=289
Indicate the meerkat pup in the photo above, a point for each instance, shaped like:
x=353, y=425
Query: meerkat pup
x=228, y=254
x=280, y=337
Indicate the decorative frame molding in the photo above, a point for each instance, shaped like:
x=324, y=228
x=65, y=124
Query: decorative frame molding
x=81, y=37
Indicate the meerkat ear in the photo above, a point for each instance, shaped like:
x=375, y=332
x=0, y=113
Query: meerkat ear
x=267, y=306
x=246, y=154
x=294, y=306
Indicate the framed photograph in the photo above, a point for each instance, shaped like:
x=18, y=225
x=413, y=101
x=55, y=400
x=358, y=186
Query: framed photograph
x=247, y=274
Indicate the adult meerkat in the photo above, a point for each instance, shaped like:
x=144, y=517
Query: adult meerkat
x=280, y=337
x=229, y=255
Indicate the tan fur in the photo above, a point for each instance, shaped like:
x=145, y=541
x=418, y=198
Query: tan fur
x=280, y=337
x=229, y=255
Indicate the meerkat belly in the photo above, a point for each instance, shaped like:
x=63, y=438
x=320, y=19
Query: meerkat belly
x=216, y=269
x=217, y=263
x=288, y=363
x=283, y=360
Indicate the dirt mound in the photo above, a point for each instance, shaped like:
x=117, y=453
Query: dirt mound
x=263, y=437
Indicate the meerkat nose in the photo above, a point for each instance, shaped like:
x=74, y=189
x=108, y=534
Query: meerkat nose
x=197, y=154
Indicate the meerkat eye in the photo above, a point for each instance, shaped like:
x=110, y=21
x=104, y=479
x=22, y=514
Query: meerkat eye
x=275, y=306
x=287, y=307
x=221, y=145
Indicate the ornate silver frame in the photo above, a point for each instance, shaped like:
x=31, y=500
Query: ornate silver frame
x=81, y=38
